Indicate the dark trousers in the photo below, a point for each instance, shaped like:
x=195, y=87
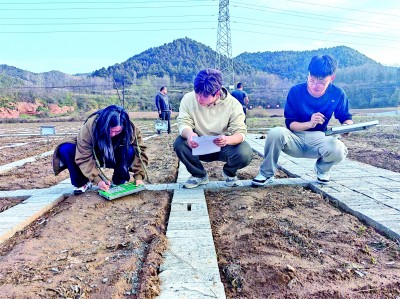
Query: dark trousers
x=121, y=175
x=166, y=115
x=236, y=157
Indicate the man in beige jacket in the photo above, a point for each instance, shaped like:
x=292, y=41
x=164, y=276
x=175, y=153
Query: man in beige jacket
x=210, y=110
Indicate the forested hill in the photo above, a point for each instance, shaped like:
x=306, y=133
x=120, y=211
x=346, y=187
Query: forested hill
x=180, y=60
x=22, y=77
x=293, y=64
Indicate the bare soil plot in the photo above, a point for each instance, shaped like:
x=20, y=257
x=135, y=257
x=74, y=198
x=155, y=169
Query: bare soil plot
x=6, y=203
x=22, y=140
x=288, y=242
x=379, y=147
x=87, y=247
x=25, y=147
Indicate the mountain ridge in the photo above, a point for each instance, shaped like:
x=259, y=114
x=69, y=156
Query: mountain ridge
x=266, y=75
x=184, y=57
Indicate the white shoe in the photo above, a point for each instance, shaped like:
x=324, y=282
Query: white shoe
x=194, y=182
x=261, y=180
x=231, y=181
x=322, y=177
x=83, y=189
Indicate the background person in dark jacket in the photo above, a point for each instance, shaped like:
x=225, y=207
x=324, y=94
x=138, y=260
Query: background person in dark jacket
x=164, y=107
x=241, y=96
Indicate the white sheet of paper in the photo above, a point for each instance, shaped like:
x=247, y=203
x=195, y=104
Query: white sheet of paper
x=206, y=145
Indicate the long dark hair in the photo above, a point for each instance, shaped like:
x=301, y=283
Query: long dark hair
x=108, y=118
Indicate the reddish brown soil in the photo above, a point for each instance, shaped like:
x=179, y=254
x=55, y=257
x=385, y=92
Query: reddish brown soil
x=6, y=203
x=380, y=149
x=87, y=247
x=34, y=146
x=288, y=242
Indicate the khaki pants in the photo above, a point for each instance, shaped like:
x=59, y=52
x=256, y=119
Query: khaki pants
x=328, y=150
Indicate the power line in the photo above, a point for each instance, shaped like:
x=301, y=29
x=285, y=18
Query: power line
x=105, y=31
x=314, y=39
x=346, y=33
x=297, y=26
x=106, y=17
x=102, y=23
x=98, y=2
x=346, y=8
x=106, y=8
x=313, y=16
x=313, y=31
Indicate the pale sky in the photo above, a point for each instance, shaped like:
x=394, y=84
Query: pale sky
x=83, y=36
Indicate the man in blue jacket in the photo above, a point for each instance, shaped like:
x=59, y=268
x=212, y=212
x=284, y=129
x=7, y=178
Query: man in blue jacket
x=164, y=107
x=309, y=107
x=241, y=96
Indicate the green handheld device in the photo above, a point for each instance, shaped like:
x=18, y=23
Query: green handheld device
x=121, y=190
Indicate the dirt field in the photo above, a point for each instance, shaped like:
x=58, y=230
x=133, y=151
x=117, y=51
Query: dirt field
x=6, y=203
x=288, y=242
x=379, y=147
x=284, y=242
x=89, y=248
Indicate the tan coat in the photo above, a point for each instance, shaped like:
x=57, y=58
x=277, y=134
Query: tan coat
x=84, y=153
x=226, y=116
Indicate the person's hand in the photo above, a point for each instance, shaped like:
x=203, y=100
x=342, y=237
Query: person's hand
x=105, y=186
x=221, y=141
x=139, y=182
x=191, y=143
x=317, y=119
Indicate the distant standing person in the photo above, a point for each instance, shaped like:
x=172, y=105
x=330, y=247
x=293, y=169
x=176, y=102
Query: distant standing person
x=241, y=96
x=164, y=107
x=108, y=139
x=210, y=110
x=308, y=109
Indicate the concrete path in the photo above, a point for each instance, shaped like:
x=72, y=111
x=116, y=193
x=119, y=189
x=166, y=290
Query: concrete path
x=39, y=202
x=190, y=266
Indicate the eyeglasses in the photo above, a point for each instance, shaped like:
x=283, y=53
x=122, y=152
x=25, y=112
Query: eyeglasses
x=315, y=82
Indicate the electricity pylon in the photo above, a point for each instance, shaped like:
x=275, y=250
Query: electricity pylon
x=224, y=61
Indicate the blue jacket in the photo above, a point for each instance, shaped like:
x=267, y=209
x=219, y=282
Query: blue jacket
x=300, y=105
x=240, y=95
x=162, y=102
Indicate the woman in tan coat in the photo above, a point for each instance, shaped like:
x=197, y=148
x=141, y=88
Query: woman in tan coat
x=107, y=139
